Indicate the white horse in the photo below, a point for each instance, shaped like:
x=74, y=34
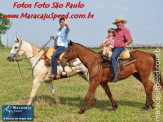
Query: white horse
x=40, y=71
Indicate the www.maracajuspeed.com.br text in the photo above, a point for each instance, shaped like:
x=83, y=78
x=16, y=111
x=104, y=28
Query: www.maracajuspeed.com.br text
x=48, y=16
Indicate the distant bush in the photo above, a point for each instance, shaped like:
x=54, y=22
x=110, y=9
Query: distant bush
x=1, y=44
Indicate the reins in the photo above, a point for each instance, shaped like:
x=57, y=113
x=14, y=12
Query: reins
x=17, y=60
x=37, y=63
x=87, y=59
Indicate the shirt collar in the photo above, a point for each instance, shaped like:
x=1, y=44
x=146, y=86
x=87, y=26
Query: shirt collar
x=121, y=28
x=61, y=28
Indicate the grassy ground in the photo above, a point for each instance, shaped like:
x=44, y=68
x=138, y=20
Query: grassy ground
x=129, y=94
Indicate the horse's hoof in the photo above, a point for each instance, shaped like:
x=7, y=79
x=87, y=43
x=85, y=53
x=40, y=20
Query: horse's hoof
x=153, y=106
x=58, y=103
x=113, y=110
x=145, y=108
x=81, y=112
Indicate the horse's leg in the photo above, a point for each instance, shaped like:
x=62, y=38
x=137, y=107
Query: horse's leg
x=93, y=85
x=152, y=103
x=36, y=85
x=50, y=86
x=109, y=94
x=93, y=99
x=148, y=86
x=86, y=77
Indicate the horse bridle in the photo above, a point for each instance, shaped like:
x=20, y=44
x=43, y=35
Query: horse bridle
x=16, y=54
x=17, y=60
x=69, y=56
x=93, y=64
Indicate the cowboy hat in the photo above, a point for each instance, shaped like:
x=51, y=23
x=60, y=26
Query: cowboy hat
x=119, y=19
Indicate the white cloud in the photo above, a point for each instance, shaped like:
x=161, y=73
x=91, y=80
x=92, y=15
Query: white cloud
x=116, y=6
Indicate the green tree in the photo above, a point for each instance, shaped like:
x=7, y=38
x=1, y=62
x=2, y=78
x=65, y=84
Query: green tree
x=5, y=25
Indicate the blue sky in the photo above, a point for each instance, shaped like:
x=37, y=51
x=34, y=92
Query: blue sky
x=144, y=18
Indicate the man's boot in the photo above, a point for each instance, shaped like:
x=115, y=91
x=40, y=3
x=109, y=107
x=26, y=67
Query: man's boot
x=115, y=78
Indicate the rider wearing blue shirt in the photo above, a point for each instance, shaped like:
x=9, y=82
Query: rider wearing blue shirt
x=62, y=37
x=62, y=43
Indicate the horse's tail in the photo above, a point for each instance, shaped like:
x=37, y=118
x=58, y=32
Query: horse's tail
x=156, y=70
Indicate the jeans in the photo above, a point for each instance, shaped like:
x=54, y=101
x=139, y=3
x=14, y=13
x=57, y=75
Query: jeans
x=56, y=54
x=116, y=52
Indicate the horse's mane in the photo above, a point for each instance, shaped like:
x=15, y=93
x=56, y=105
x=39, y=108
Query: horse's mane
x=87, y=48
x=35, y=49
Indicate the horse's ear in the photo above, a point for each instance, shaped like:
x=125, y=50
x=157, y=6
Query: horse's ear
x=17, y=40
x=70, y=42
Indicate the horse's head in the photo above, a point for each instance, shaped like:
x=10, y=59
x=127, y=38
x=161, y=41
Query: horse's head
x=69, y=54
x=16, y=50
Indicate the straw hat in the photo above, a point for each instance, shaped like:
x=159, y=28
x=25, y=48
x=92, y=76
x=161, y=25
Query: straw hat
x=119, y=19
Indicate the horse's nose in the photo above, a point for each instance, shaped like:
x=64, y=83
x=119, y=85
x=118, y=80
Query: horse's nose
x=10, y=58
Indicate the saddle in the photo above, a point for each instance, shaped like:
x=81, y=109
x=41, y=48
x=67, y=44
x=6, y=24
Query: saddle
x=124, y=58
x=48, y=52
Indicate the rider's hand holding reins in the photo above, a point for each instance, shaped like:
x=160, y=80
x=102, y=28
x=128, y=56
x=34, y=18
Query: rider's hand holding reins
x=125, y=45
x=53, y=38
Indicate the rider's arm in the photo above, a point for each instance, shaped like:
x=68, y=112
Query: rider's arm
x=127, y=43
x=128, y=38
x=130, y=41
x=67, y=27
x=103, y=43
x=66, y=24
x=108, y=43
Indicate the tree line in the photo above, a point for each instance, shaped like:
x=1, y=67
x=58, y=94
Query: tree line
x=5, y=25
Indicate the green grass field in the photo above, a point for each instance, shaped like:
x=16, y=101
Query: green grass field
x=129, y=94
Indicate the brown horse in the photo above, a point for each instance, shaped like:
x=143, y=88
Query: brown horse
x=99, y=75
